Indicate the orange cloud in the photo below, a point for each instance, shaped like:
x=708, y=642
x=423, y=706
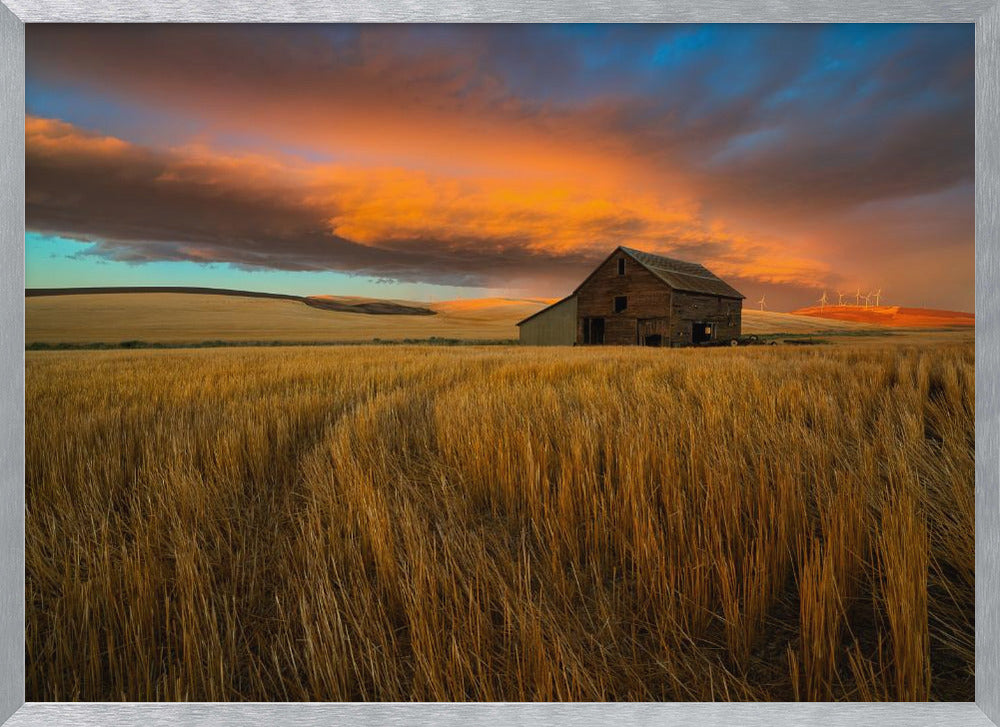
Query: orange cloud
x=197, y=204
x=54, y=137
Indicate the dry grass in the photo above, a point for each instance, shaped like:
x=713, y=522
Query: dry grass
x=501, y=524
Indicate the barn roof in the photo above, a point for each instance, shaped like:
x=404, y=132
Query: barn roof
x=682, y=275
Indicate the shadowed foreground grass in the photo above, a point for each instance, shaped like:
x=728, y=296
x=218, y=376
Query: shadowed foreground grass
x=501, y=524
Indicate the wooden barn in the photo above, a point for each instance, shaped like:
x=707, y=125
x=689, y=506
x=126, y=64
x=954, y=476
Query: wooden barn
x=635, y=298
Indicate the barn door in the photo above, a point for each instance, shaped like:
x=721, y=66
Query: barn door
x=593, y=331
x=651, y=331
x=702, y=332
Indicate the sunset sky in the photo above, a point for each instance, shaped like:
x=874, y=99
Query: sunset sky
x=434, y=162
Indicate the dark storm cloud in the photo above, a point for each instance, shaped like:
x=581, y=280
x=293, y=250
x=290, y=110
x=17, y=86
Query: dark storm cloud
x=815, y=128
x=809, y=116
x=141, y=205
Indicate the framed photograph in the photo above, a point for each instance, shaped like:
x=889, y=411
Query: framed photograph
x=508, y=364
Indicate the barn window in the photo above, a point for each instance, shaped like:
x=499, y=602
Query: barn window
x=621, y=303
x=621, y=266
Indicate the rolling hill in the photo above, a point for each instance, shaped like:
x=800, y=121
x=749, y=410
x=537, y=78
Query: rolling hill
x=892, y=316
x=344, y=304
x=769, y=322
x=194, y=316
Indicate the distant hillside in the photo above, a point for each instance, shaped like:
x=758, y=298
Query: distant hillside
x=492, y=309
x=324, y=302
x=767, y=322
x=371, y=307
x=190, y=316
x=892, y=316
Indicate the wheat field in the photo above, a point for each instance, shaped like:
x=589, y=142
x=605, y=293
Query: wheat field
x=416, y=523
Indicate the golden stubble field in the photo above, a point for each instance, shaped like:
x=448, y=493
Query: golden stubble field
x=398, y=523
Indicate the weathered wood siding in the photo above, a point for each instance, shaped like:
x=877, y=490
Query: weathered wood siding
x=649, y=328
x=725, y=315
x=648, y=298
x=555, y=326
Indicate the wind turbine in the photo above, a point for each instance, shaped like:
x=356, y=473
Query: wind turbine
x=857, y=298
x=868, y=299
x=762, y=303
x=840, y=298
x=877, y=294
x=822, y=301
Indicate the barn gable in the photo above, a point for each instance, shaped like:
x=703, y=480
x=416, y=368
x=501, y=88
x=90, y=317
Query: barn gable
x=554, y=325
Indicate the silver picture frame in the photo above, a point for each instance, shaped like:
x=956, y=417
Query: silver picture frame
x=14, y=14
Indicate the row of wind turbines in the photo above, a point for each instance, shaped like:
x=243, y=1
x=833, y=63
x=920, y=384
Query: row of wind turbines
x=824, y=301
